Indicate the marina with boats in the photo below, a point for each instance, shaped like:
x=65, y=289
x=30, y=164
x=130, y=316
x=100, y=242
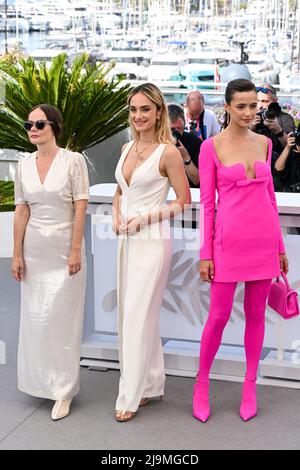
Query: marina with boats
x=184, y=44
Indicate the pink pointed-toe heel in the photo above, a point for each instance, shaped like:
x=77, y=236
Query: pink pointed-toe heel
x=201, y=408
x=248, y=407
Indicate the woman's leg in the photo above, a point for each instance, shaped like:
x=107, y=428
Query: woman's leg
x=221, y=300
x=256, y=294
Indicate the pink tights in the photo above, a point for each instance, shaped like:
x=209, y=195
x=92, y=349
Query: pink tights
x=221, y=300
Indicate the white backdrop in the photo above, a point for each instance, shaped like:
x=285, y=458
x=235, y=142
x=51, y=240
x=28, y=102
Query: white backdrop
x=186, y=299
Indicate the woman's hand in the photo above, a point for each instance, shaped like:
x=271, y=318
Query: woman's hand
x=116, y=226
x=18, y=268
x=207, y=270
x=291, y=140
x=132, y=227
x=74, y=262
x=284, y=263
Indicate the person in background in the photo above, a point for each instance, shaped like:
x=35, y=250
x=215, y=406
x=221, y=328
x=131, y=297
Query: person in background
x=200, y=121
x=188, y=144
x=287, y=165
x=275, y=128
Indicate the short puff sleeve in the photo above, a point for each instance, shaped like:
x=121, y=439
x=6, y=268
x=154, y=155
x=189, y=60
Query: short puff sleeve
x=19, y=196
x=79, y=177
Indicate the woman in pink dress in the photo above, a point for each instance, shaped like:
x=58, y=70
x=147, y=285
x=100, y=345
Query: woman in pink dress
x=243, y=243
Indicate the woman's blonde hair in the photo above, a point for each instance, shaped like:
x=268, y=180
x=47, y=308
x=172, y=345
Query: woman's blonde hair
x=163, y=132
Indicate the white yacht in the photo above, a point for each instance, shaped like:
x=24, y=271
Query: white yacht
x=133, y=64
x=166, y=67
x=39, y=22
x=204, y=66
x=263, y=69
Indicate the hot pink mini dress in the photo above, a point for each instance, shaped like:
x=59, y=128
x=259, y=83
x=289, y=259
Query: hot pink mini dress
x=244, y=237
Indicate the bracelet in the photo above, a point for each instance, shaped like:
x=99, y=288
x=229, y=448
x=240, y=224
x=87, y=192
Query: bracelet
x=187, y=162
x=280, y=134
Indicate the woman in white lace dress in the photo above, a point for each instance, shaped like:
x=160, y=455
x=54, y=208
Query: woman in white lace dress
x=51, y=193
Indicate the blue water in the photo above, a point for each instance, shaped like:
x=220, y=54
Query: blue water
x=30, y=41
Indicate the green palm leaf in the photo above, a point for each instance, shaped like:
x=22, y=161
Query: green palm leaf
x=93, y=108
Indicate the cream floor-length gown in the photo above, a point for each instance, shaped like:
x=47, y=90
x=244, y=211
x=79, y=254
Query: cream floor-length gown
x=143, y=267
x=52, y=301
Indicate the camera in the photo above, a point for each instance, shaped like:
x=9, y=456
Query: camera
x=177, y=136
x=272, y=112
x=297, y=138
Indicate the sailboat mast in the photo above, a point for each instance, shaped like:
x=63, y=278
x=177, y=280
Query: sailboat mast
x=298, y=35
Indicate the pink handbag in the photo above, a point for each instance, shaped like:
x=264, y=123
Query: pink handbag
x=283, y=299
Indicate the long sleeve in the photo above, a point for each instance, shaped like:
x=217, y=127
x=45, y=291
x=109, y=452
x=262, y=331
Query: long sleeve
x=19, y=196
x=207, y=175
x=79, y=177
x=274, y=204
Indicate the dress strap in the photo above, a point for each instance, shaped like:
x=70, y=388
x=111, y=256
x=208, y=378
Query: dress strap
x=127, y=148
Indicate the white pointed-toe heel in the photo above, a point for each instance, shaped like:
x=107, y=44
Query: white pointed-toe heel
x=61, y=409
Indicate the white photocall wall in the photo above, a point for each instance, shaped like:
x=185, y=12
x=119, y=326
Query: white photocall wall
x=186, y=299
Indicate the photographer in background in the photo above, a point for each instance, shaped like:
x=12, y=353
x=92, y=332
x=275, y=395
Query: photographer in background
x=270, y=120
x=287, y=165
x=187, y=144
x=200, y=121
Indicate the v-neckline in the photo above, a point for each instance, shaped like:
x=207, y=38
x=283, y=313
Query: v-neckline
x=49, y=169
x=135, y=170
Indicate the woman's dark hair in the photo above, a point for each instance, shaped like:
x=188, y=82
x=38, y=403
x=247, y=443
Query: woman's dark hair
x=238, y=85
x=52, y=114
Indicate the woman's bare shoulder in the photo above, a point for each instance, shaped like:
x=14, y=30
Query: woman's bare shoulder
x=262, y=140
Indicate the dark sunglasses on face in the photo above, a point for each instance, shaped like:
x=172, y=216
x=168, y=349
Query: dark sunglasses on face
x=263, y=89
x=40, y=124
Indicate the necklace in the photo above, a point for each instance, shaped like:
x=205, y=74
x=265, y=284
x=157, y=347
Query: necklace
x=140, y=152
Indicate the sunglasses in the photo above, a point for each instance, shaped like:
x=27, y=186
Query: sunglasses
x=40, y=124
x=263, y=89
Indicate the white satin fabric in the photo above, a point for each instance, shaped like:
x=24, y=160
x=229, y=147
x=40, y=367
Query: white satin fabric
x=52, y=301
x=143, y=267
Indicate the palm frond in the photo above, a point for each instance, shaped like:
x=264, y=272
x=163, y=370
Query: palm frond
x=93, y=108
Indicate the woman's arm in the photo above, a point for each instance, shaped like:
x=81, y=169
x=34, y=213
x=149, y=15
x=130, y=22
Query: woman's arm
x=274, y=204
x=284, y=264
x=191, y=170
x=21, y=217
x=207, y=175
x=80, y=193
x=282, y=159
x=116, y=210
x=173, y=168
x=77, y=236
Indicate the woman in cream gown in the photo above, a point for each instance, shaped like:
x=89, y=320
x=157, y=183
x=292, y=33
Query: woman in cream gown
x=147, y=167
x=51, y=192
